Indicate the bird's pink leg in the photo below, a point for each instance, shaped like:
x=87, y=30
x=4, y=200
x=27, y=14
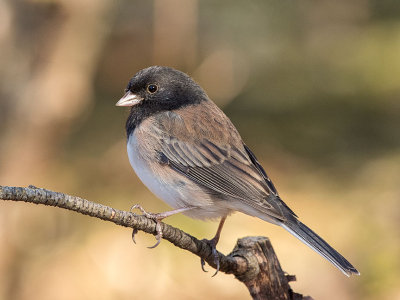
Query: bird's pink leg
x=213, y=243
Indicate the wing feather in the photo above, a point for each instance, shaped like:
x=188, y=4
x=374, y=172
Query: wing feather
x=227, y=171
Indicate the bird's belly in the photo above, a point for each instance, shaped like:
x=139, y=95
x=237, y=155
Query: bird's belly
x=172, y=187
x=148, y=176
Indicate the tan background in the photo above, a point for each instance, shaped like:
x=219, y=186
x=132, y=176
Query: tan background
x=313, y=87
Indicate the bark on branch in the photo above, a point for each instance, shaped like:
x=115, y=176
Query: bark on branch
x=252, y=261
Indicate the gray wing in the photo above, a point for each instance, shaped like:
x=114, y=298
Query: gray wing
x=225, y=170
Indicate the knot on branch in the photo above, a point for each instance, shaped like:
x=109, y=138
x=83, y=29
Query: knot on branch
x=246, y=248
x=263, y=275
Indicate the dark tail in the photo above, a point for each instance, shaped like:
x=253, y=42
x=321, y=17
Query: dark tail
x=311, y=239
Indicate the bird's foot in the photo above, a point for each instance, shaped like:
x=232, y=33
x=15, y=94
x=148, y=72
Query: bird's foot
x=213, y=244
x=152, y=216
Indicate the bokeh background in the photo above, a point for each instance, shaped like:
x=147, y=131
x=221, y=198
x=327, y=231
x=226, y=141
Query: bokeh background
x=313, y=87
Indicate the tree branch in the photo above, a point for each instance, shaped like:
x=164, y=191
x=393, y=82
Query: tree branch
x=253, y=260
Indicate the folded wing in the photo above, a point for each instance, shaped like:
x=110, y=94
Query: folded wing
x=225, y=170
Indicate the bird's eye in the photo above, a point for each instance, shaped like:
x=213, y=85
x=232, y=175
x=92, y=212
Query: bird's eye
x=152, y=88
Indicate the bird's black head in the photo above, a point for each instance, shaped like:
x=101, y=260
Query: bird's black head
x=156, y=89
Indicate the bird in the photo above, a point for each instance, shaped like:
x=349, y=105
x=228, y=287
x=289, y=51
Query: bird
x=188, y=153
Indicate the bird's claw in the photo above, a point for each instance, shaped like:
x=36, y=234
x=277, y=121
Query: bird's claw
x=203, y=263
x=133, y=234
x=145, y=213
x=214, y=253
x=216, y=261
x=159, y=234
x=155, y=217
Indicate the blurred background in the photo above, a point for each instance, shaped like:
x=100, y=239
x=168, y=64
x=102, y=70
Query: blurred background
x=313, y=87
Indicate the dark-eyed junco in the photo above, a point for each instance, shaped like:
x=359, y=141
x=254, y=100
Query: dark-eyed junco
x=190, y=155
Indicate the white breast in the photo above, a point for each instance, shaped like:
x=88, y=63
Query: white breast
x=154, y=183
